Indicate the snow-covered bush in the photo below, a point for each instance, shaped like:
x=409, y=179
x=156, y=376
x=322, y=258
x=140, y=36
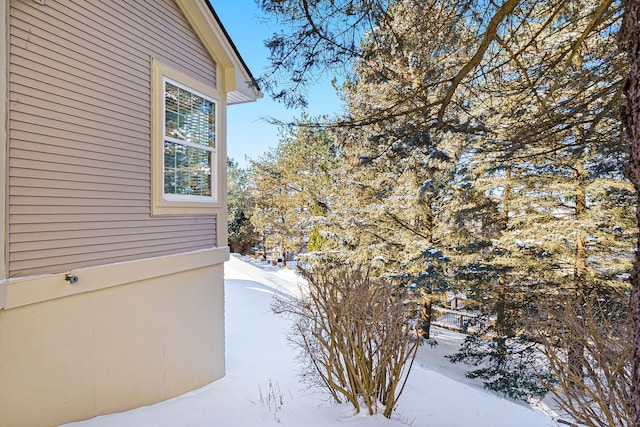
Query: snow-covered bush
x=354, y=333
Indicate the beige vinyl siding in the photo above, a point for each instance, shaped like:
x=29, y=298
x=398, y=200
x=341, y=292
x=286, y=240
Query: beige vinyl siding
x=80, y=133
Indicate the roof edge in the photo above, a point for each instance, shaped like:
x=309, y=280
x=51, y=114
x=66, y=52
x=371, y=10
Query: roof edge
x=239, y=83
x=233, y=46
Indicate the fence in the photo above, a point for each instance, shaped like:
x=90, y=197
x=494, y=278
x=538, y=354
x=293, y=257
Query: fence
x=451, y=319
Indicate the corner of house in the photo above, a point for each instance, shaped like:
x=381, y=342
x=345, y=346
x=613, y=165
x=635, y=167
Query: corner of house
x=3, y=294
x=4, y=52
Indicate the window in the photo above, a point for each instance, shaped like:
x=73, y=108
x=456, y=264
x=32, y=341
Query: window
x=185, y=143
x=189, y=142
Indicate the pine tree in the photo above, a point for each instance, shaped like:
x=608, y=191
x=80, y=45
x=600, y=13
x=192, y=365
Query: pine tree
x=242, y=236
x=554, y=164
x=554, y=124
x=630, y=44
x=291, y=184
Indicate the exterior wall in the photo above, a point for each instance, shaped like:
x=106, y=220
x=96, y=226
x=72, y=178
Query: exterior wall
x=80, y=133
x=145, y=321
x=113, y=349
x=4, y=68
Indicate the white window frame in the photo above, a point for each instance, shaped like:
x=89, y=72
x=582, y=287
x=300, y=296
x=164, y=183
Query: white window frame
x=173, y=204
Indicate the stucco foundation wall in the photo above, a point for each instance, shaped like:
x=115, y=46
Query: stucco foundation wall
x=113, y=349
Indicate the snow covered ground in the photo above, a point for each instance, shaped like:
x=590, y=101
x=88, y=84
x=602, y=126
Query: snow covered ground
x=262, y=387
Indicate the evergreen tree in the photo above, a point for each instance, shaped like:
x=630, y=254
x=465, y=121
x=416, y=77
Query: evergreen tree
x=554, y=163
x=537, y=83
x=291, y=184
x=242, y=236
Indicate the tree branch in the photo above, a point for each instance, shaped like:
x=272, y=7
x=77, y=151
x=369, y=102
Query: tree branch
x=489, y=35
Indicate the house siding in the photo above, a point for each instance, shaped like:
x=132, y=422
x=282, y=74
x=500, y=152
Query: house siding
x=80, y=133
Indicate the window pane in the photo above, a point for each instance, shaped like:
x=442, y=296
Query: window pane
x=189, y=117
x=171, y=124
x=171, y=97
x=187, y=170
x=211, y=119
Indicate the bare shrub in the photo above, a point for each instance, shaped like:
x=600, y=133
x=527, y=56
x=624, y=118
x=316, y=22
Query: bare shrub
x=354, y=334
x=598, y=394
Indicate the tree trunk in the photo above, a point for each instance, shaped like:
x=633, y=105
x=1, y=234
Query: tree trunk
x=506, y=198
x=580, y=260
x=264, y=247
x=425, y=317
x=501, y=318
x=575, y=345
x=424, y=221
x=500, y=327
x=630, y=43
x=423, y=218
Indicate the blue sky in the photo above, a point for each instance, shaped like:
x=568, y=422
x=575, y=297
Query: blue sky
x=248, y=135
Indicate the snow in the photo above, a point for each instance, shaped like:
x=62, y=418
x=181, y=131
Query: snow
x=262, y=386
